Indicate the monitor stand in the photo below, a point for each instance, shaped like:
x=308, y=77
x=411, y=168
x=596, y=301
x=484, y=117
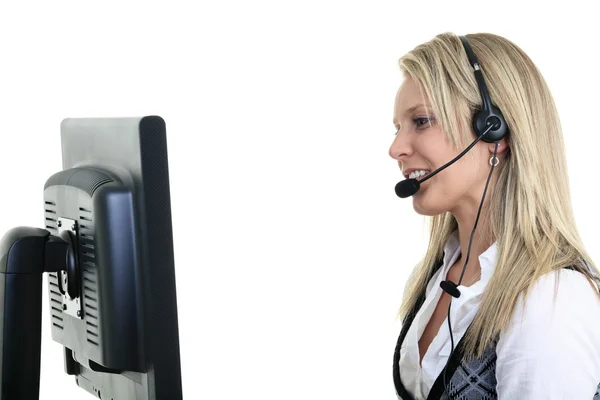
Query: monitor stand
x=25, y=254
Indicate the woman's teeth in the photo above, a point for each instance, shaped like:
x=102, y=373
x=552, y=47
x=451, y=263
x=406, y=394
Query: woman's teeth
x=418, y=174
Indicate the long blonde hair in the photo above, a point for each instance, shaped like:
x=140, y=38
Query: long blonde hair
x=530, y=212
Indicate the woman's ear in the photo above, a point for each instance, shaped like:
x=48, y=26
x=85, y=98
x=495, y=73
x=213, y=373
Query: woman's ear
x=502, y=146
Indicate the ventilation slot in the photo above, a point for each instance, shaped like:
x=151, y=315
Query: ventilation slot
x=95, y=185
x=50, y=215
x=92, y=331
x=55, y=302
x=87, y=263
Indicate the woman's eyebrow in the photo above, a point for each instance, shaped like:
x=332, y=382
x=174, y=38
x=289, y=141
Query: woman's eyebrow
x=411, y=109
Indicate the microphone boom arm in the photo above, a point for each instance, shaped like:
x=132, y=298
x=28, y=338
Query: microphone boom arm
x=458, y=156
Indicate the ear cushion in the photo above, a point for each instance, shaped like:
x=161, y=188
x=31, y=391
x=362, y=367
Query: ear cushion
x=482, y=120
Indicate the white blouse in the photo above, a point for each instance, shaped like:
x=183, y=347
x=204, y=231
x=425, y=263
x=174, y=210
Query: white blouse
x=549, y=351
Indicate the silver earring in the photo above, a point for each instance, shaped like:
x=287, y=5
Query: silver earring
x=497, y=161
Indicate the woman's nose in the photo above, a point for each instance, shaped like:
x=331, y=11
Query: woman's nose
x=400, y=148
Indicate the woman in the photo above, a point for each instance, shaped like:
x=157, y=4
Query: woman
x=525, y=317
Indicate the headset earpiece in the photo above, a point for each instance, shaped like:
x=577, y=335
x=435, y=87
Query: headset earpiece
x=483, y=120
x=489, y=114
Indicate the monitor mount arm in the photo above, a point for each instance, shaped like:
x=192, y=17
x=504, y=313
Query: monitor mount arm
x=25, y=254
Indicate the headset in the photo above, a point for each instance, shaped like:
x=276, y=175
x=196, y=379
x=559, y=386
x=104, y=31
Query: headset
x=490, y=126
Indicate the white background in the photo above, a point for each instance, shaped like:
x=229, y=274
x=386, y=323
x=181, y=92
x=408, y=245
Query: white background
x=291, y=248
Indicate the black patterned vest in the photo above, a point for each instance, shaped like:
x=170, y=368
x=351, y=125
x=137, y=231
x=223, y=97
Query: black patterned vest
x=474, y=380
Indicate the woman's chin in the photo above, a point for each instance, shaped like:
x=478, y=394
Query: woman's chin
x=424, y=205
x=426, y=212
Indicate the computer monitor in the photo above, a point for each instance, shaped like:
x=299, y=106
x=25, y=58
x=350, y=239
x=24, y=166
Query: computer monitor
x=107, y=247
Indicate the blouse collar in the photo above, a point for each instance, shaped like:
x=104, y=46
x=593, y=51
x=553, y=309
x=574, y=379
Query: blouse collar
x=487, y=259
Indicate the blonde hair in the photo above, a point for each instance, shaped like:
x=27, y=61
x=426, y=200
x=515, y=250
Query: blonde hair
x=530, y=212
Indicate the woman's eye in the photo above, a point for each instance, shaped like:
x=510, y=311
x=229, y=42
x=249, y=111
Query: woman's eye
x=422, y=121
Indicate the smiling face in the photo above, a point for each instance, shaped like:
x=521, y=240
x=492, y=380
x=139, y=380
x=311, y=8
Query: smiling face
x=421, y=143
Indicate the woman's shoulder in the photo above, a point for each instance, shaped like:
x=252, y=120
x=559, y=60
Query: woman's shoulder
x=560, y=301
x=552, y=338
x=568, y=286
